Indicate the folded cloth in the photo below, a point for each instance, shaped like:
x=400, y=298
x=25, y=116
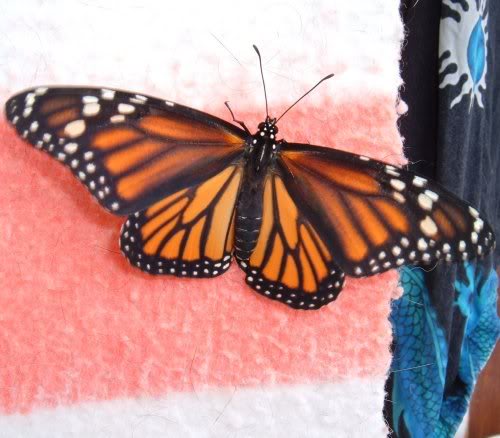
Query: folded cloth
x=446, y=322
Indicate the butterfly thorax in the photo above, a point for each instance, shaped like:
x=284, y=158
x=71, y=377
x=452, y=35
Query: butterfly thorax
x=262, y=147
x=261, y=151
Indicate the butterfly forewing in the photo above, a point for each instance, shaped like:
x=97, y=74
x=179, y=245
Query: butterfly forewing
x=189, y=233
x=130, y=150
x=376, y=216
x=291, y=263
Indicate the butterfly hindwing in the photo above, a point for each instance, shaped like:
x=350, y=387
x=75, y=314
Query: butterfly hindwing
x=189, y=233
x=291, y=262
x=129, y=150
x=376, y=216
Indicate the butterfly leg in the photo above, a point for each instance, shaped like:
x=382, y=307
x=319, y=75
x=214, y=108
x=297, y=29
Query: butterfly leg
x=242, y=124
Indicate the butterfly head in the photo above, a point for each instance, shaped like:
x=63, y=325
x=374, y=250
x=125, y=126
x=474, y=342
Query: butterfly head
x=268, y=127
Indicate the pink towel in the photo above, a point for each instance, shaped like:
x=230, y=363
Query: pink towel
x=89, y=345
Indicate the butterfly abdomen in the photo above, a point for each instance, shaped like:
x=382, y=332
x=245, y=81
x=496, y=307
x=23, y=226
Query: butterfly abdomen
x=248, y=218
x=247, y=231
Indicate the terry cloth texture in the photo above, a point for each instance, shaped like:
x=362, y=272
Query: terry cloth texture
x=446, y=323
x=93, y=347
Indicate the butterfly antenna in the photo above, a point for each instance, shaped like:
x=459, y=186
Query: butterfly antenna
x=304, y=95
x=262, y=74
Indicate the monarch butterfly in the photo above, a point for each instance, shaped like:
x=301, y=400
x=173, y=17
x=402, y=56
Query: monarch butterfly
x=198, y=190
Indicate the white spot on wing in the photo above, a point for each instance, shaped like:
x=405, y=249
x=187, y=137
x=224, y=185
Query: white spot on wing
x=34, y=126
x=117, y=118
x=91, y=109
x=434, y=196
x=473, y=237
x=396, y=250
x=398, y=197
x=398, y=184
x=418, y=181
x=29, y=99
x=138, y=99
x=75, y=128
x=478, y=224
x=392, y=172
x=125, y=108
x=425, y=202
x=90, y=99
x=422, y=244
x=107, y=94
x=70, y=148
x=40, y=91
x=473, y=212
x=428, y=226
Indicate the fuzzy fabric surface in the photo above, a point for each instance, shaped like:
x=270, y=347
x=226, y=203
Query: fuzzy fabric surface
x=90, y=346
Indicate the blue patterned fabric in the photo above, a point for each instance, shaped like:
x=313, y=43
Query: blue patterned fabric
x=445, y=325
x=423, y=404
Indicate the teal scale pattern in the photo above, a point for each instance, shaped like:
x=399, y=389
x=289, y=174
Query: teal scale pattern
x=424, y=404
